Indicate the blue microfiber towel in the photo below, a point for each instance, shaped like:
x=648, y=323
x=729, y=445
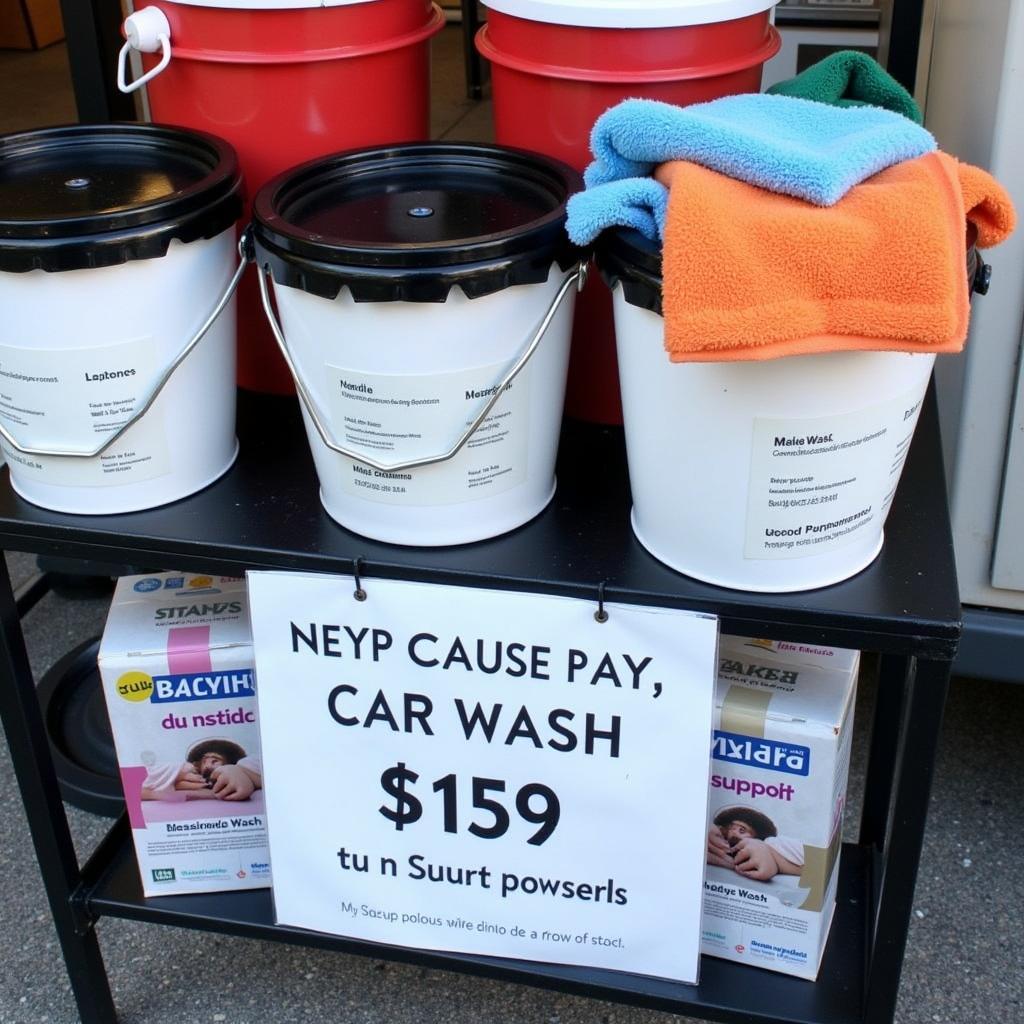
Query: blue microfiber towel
x=798, y=147
x=639, y=203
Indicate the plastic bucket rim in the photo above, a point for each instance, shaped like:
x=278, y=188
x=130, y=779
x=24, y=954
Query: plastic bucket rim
x=272, y=5
x=768, y=49
x=671, y=13
x=434, y=24
x=272, y=231
x=223, y=179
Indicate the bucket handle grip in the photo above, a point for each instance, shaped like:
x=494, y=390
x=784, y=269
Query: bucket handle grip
x=147, y=31
x=576, y=277
x=144, y=407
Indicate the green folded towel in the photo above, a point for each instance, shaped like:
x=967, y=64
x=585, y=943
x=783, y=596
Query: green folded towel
x=850, y=78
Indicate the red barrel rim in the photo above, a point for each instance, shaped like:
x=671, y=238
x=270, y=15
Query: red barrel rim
x=418, y=35
x=771, y=46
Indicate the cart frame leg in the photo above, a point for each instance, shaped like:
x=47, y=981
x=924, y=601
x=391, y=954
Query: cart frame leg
x=905, y=739
x=47, y=822
x=887, y=722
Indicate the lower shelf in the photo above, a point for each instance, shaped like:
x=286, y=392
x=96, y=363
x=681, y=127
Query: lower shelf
x=727, y=992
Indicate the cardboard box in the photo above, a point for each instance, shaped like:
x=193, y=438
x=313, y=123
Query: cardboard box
x=30, y=24
x=780, y=760
x=176, y=663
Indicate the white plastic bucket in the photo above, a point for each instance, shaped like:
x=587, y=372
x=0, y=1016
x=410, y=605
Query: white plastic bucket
x=85, y=349
x=411, y=284
x=771, y=476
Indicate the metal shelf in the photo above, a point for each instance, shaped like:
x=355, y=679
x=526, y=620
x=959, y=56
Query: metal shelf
x=265, y=514
x=727, y=991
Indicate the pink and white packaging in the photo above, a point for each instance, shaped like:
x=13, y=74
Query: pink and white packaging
x=783, y=725
x=176, y=664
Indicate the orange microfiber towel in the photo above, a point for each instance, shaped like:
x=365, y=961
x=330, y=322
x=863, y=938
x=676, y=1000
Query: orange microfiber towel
x=750, y=274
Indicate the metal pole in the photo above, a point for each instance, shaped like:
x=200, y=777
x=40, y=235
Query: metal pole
x=93, y=31
x=905, y=25
x=474, y=64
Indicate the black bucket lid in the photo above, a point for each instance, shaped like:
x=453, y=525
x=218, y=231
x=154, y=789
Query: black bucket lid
x=410, y=222
x=87, y=196
x=626, y=256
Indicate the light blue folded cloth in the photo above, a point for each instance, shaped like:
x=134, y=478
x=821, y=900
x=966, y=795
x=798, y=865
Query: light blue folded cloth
x=640, y=203
x=810, y=150
x=797, y=147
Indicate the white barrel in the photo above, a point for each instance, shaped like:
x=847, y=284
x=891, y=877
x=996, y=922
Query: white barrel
x=770, y=476
x=113, y=396
x=429, y=343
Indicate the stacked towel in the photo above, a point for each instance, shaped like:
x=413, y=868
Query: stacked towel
x=817, y=220
x=851, y=79
x=794, y=146
x=753, y=275
x=791, y=146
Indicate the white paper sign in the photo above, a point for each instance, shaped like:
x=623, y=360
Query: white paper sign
x=486, y=772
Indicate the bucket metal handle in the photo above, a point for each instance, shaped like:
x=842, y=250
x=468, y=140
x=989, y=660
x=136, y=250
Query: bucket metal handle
x=146, y=31
x=142, y=409
x=577, y=276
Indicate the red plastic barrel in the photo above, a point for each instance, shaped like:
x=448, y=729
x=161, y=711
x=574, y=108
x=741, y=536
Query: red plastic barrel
x=285, y=83
x=557, y=65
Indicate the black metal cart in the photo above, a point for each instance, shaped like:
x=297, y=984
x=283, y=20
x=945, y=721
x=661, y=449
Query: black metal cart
x=265, y=514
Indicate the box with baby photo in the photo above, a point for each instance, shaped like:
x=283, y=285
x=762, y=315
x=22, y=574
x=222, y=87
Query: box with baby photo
x=780, y=760
x=177, y=669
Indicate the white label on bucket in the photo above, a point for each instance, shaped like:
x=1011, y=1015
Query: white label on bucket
x=71, y=399
x=398, y=417
x=817, y=485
